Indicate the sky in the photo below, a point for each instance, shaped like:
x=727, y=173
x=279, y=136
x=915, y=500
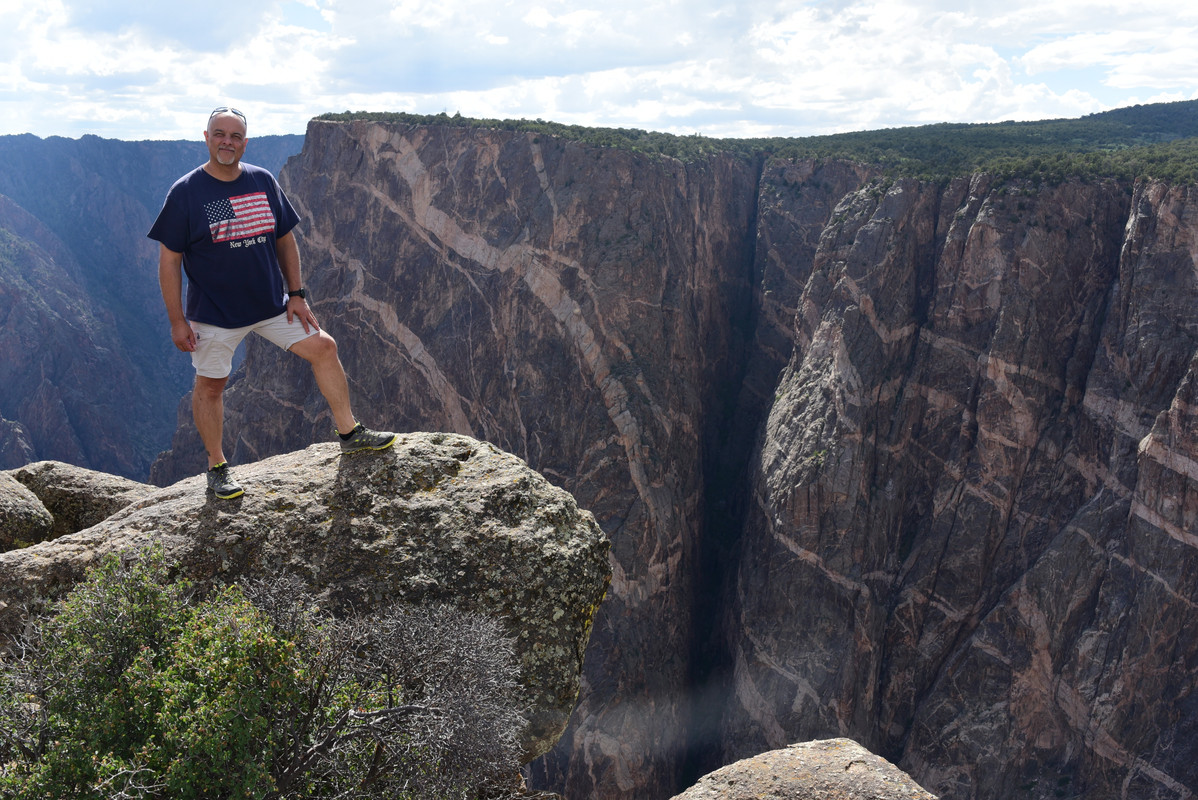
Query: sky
x=135, y=70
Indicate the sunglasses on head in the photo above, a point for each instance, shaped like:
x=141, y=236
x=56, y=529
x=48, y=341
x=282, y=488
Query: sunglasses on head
x=226, y=110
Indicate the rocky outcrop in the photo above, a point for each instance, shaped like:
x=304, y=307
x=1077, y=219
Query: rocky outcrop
x=438, y=518
x=836, y=769
x=906, y=462
x=49, y=499
x=76, y=497
x=23, y=518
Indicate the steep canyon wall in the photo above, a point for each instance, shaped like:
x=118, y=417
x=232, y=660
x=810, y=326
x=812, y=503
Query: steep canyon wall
x=970, y=541
x=910, y=463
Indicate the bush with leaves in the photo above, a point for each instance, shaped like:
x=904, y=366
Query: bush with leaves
x=137, y=688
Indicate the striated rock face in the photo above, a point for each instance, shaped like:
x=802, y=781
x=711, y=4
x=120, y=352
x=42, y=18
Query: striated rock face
x=908, y=463
x=975, y=504
x=835, y=769
x=15, y=447
x=62, y=381
x=437, y=518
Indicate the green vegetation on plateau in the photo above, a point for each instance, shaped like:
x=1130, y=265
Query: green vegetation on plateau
x=1155, y=141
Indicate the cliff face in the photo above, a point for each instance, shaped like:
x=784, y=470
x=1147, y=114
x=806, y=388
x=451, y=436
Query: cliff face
x=972, y=528
x=906, y=463
x=55, y=344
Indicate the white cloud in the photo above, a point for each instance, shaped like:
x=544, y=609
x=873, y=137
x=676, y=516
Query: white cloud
x=757, y=67
x=538, y=17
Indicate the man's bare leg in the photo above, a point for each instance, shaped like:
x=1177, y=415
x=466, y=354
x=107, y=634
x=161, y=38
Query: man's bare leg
x=208, y=409
x=320, y=350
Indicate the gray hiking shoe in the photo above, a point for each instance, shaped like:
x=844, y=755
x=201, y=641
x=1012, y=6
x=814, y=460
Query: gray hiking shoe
x=222, y=484
x=362, y=438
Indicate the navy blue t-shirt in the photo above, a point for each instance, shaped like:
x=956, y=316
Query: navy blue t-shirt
x=226, y=231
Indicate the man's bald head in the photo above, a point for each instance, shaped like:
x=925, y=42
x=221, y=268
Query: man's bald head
x=226, y=139
x=226, y=116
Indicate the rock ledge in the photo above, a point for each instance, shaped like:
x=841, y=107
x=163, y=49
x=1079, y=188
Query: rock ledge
x=437, y=518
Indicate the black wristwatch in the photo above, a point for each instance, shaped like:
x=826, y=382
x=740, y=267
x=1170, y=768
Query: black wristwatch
x=298, y=293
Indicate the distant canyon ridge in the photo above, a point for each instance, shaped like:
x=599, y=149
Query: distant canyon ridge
x=910, y=463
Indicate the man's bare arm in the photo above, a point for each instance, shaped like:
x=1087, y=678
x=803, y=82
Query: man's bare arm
x=289, y=265
x=170, y=279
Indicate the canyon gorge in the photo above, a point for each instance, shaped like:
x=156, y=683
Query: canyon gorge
x=908, y=462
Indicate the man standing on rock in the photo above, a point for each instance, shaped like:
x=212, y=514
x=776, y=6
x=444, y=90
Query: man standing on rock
x=229, y=225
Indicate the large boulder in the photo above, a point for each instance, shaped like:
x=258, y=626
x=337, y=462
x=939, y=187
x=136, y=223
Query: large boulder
x=23, y=518
x=77, y=497
x=438, y=518
x=832, y=769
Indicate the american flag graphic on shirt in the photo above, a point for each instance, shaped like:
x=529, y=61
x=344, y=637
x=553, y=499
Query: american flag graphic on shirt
x=239, y=217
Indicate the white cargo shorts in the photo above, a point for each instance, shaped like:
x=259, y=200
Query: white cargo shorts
x=213, y=356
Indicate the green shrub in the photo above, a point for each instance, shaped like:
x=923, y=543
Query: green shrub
x=222, y=690
x=134, y=689
x=78, y=710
